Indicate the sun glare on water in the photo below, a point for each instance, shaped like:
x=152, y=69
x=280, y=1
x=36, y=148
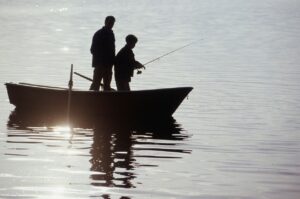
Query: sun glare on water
x=64, y=131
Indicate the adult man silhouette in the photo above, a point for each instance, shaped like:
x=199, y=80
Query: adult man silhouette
x=103, y=51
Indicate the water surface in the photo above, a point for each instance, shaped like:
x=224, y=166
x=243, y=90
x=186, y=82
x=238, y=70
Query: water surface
x=236, y=136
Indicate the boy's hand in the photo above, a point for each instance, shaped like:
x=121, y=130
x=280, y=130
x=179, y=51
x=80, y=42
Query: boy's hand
x=139, y=65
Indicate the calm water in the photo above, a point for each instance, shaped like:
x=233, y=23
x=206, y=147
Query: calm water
x=236, y=136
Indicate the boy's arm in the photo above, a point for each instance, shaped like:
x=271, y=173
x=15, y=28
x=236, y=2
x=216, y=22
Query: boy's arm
x=138, y=65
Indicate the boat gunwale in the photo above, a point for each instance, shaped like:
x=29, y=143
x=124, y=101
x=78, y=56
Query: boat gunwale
x=54, y=88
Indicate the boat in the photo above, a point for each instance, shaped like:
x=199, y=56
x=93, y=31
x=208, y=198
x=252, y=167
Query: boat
x=149, y=104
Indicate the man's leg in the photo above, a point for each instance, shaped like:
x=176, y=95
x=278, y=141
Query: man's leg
x=107, y=79
x=126, y=86
x=119, y=85
x=95, y=86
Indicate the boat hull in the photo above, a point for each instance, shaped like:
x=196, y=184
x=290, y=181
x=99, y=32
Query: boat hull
x=108, y=104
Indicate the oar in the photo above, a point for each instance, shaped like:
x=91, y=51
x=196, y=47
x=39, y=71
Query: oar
x=70, y=94
x=87, y=78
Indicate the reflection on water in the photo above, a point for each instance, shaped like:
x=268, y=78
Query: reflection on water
x=106, y=154
x=112, y=151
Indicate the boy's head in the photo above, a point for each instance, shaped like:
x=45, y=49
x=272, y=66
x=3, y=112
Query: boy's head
x=131, y=40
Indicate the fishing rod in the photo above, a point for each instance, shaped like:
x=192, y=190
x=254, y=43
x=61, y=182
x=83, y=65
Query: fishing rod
x=153, y=60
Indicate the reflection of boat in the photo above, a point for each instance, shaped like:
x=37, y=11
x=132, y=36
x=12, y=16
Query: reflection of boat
x=22, y=120
x=115, y=149
x=132, y=104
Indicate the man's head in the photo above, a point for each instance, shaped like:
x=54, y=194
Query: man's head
x=110, y=21
x=131, y=40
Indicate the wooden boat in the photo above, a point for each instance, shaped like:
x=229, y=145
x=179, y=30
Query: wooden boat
x=155, y=103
